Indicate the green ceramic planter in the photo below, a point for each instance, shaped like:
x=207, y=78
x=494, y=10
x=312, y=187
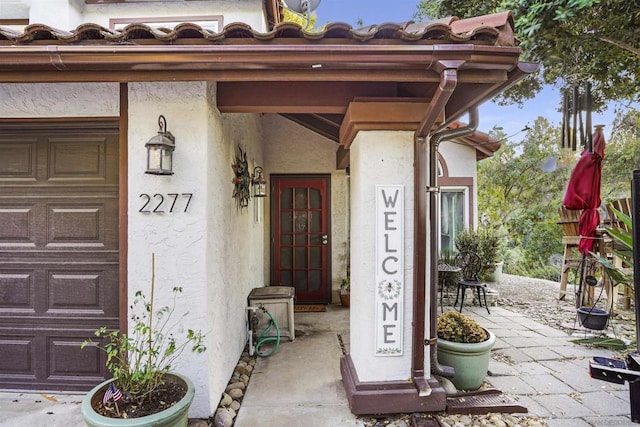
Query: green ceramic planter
x=470, y=361
x=176, y=416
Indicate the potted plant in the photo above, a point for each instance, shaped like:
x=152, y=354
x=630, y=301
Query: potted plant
x=143, y=390
x=487, y=244
x=466, y=346
x=345, y=291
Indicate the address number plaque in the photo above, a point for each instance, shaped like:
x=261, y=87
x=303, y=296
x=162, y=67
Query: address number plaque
x=165, y=203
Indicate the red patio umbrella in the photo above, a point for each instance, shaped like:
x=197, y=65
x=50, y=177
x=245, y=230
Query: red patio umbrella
x=583, y=191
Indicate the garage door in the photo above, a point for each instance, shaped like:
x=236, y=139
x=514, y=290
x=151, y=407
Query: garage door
x=58, y=253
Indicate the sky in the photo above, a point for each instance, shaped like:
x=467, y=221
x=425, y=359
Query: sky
x=511, y=118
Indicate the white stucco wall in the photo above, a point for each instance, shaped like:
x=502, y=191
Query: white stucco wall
x=293, y=149
x=178, y=239
x=213, y=251
x=68, y=14
x=59, y=100
x=378, y=158
x=236, y=246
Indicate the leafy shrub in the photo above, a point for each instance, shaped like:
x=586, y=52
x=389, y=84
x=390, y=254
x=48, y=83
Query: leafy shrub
x=456, y=327
x=544, y=241
x=484, y=242
x=139, y=361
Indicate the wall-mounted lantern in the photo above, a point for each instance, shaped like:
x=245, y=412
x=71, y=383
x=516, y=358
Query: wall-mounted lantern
x=258, y=183
x=160, y=150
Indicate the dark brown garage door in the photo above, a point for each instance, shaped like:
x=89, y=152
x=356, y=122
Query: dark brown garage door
x=58, y=253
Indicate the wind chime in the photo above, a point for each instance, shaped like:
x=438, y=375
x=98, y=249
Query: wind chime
x=575, y=101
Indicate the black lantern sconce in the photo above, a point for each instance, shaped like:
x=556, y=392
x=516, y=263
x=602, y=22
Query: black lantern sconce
x=160, y=150
x=258, y=183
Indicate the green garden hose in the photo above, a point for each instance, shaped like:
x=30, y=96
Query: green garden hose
x=262, y=339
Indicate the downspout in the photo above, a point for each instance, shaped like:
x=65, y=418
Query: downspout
x=448, y=82
x=422, y=186
x=434, y=142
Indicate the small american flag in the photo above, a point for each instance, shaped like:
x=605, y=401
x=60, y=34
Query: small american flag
x=112, y=393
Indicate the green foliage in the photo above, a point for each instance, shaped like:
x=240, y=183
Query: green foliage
x=485, y=242
x=544, y=241
x=140, y=361
x=622, y=156
x=574, y=40
x=625, y=240
x=449, y=279
x=456, y=327
x=542, y=270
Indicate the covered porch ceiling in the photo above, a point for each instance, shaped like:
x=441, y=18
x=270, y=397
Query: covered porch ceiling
x=335, y=82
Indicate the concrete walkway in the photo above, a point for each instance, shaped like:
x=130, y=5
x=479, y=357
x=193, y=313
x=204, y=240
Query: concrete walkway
x=533, y=363
x=301, y=383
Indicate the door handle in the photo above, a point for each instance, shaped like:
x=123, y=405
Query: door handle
x=325, y=239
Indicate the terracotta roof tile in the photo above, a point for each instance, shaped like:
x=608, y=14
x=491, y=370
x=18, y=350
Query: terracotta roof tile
x=496, y=29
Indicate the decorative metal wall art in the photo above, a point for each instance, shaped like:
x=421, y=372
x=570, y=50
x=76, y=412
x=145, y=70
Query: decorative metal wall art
x=242, y=180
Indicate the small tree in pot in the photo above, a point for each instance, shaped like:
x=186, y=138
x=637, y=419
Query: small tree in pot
x=143, y=390
x=466, y=346
x=486, y=243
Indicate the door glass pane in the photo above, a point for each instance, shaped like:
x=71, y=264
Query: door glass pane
x=301, y=240
x=315, y=239
x=286, y=239
x=286, y=278
x=315, y=280
x=286, y=222
x=286, y=257
x=315, y=260
x=315, y=198
x=301, y=281
x=452, y=216
x=301, y=222
x=301, y=257
x=286, y=198
x=315, y=221
x=301, y=198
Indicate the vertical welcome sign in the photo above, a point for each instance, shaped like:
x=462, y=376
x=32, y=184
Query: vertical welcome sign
x=389, y=269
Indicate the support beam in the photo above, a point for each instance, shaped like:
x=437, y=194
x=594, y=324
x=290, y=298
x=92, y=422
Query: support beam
x=394, y=114
x=296, y=97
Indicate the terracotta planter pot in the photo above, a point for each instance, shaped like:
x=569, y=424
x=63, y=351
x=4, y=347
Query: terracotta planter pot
x=345, y=299
x=470, y=361
x=175, y=416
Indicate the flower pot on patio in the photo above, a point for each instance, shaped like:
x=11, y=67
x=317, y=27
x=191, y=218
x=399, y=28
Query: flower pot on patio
x=345, y=298
x=465, y=346
x=470, y=361
x=175, y=416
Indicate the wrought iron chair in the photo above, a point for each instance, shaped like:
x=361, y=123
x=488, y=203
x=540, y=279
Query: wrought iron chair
x=471, y=266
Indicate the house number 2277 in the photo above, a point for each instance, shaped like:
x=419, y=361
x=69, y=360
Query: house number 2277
x=162, y=203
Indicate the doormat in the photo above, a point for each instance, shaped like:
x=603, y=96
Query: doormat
x=309, y=308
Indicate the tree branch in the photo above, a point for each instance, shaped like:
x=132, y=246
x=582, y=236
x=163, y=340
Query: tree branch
x=619, y=44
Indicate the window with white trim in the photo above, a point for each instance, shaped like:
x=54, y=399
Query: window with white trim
x=454, y=215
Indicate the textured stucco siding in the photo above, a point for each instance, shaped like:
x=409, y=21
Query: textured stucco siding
x=378, y=158
x=213, y=251
x=18, y=100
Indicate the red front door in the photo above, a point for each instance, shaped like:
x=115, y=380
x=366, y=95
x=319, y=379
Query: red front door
x=300, y=235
